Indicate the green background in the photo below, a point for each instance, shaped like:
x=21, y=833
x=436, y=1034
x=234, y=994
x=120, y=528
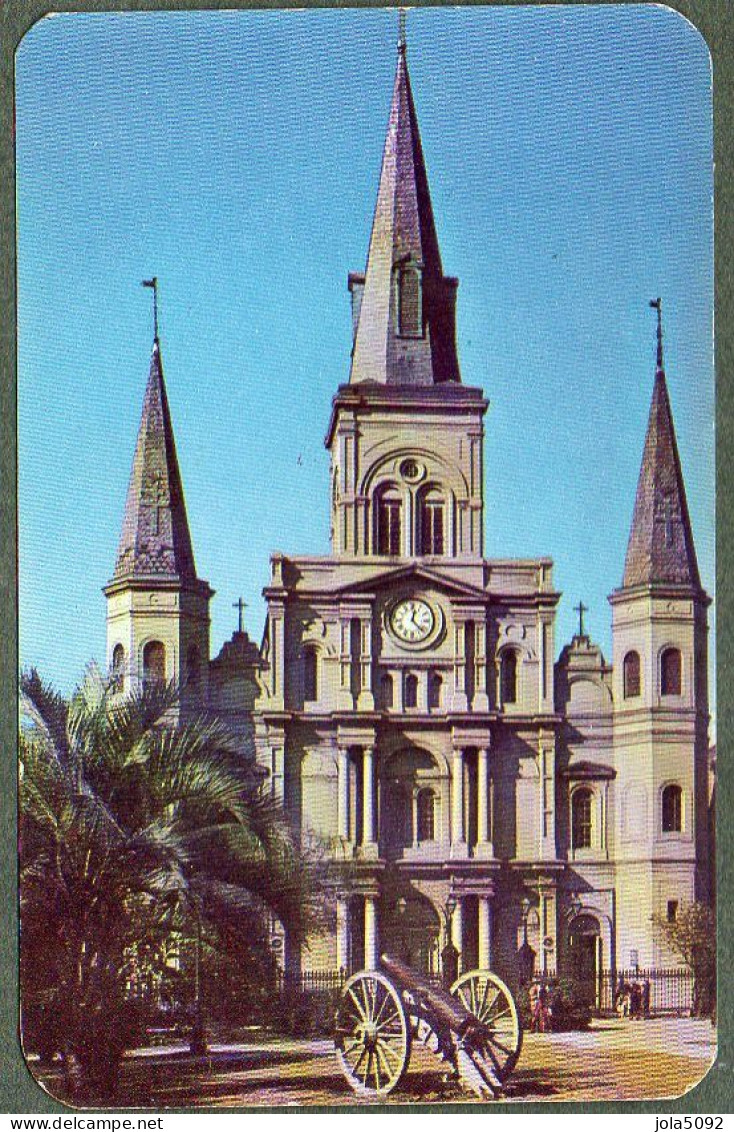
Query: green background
x=715, y=20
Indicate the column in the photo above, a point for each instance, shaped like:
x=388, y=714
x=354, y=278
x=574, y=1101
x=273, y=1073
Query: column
x=457, y=930
x=342, y=933
x=547, y=784
x=368, y=797
x=458, y=836
x=344, y=696
x=484, y=934
x=342, y=787
x=277, y=655
x=370, y=933
x=482, y=799
x=481, y=699
x=458, y=698
x=366, y=700
x=277, y=771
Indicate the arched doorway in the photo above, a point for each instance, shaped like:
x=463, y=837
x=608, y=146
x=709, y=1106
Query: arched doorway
x=410, y=930
x=585, y=951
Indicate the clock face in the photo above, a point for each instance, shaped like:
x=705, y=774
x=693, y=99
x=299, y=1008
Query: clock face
x=412, y=621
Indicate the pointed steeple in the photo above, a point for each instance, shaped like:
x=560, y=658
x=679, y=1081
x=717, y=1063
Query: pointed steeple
x=155, y=539
x=404, y=307
x=660, y=548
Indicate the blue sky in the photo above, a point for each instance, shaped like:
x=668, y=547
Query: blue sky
x=236, y=156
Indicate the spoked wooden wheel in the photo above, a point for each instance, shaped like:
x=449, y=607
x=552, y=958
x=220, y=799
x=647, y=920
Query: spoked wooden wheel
x=485, y=996
x=372, y=1035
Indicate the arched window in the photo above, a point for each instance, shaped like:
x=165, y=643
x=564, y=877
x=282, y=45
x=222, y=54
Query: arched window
x=672, y=809
x=410, y=691
x=410, y=312
x=508, y=677
x=193, y=668
x=117, y=683
x=154, y=663
x=387, y=693
x=426, y=816
x=431, y=519
x=310, y=675
x=389, y=524
x=435, y=688
x=670, y=667
x=631, y=675
x=581, y=808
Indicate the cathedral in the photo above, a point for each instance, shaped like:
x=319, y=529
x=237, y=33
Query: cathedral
x=468, y=782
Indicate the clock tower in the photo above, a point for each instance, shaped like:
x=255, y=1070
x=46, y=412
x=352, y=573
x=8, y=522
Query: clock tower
x=406, y=716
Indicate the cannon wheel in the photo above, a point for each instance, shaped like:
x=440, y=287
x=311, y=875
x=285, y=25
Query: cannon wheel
x=485, y=996
x=372, y=1034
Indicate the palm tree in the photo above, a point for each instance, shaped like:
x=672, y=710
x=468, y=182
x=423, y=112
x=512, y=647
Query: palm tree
x=133, y=826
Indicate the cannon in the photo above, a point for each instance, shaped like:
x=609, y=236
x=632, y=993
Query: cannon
x=474, y=1027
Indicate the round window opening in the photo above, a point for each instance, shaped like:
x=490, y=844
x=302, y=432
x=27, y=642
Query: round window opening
x=411, y=470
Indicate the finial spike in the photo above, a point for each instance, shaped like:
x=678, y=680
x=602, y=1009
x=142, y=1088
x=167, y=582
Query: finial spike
x=154, y=284
x=402, y=39
x=657, y=305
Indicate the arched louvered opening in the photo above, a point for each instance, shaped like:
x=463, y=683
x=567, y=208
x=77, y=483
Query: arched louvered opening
x=410, y=302
x=154, y=663
x=672, y=809
x=117, y=681
x=388, y=534
x=670, y=672
x=431, y=521
x=631, y=675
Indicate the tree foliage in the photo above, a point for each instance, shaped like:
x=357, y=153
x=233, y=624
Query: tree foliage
x=692, y=936
x=132, y=827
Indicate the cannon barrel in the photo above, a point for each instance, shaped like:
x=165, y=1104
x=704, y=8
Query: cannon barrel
x=446, y=1009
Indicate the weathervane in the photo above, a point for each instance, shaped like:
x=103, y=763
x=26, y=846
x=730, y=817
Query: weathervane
x=154, y=284
x=657, y=304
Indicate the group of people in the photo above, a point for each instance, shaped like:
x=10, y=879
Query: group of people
x=632, y=1000
x=543, y=998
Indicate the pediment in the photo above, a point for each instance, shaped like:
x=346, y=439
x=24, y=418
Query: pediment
x=420, y=575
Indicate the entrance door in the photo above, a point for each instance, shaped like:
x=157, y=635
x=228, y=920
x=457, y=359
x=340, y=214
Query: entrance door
x=584, y=944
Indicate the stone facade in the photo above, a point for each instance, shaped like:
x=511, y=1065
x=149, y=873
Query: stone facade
x=406, y=704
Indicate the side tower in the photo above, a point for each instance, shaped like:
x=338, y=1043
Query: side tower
x=157, y=607
x=659, y=631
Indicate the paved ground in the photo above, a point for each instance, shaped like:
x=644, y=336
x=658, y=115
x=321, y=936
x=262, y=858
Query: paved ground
x=621, y=1059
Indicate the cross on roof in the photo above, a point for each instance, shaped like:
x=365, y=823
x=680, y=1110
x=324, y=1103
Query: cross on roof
x=240, y=606
x=402, y=17
x=581, y=609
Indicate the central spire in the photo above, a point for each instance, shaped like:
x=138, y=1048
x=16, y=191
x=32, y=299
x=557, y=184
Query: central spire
x=404, y=307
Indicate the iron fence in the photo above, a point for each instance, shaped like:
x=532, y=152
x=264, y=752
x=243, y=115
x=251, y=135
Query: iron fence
x=671, y=989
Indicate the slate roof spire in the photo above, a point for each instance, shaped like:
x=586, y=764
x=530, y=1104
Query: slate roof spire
x=403, y=306
x=660, y=548
x=155, y=539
